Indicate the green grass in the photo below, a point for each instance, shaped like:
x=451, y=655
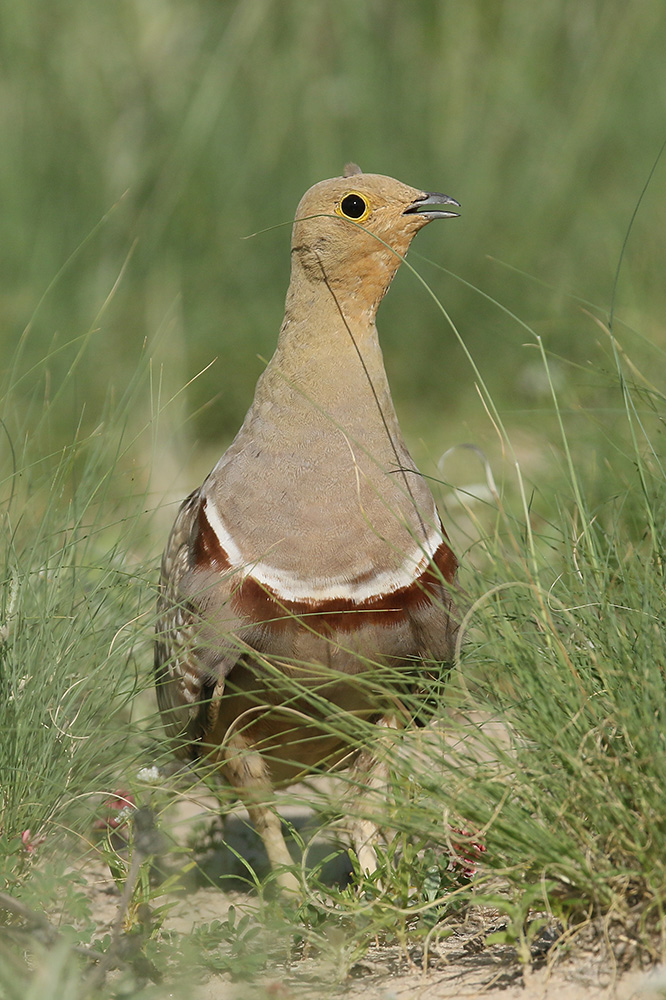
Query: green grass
x=74, y=581
x=141, y=144
x=564, y=611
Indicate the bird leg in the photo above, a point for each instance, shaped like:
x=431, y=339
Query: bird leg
x=370, y=774
x=214, y=707
x=246, y=770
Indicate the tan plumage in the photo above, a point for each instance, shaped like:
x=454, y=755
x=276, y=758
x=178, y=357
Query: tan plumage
x=314, y=541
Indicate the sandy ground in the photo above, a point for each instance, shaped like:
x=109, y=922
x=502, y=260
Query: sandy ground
x=459, y=967
x=466, y=983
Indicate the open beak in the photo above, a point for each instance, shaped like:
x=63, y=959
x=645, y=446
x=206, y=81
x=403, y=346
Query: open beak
x=429, y=205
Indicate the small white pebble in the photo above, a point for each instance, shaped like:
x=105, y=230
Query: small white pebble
x=149, y=774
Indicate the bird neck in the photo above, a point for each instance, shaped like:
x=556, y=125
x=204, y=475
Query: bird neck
x=328, y=353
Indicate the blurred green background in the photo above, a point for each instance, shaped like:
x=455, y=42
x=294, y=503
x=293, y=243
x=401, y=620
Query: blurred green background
x=187, y=125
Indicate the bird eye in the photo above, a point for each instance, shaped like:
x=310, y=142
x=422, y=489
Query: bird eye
x=353, y=206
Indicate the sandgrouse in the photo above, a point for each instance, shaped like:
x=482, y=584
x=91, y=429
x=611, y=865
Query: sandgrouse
x=314, y=549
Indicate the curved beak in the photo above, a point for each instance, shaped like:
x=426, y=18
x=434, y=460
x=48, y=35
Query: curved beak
x=429, y=205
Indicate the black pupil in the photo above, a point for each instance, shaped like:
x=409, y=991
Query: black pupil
x=353, y=206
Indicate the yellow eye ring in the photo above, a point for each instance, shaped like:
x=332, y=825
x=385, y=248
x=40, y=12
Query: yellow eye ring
x=353, y=206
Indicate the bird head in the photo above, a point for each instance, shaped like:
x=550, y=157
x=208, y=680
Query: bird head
x=352, y=231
